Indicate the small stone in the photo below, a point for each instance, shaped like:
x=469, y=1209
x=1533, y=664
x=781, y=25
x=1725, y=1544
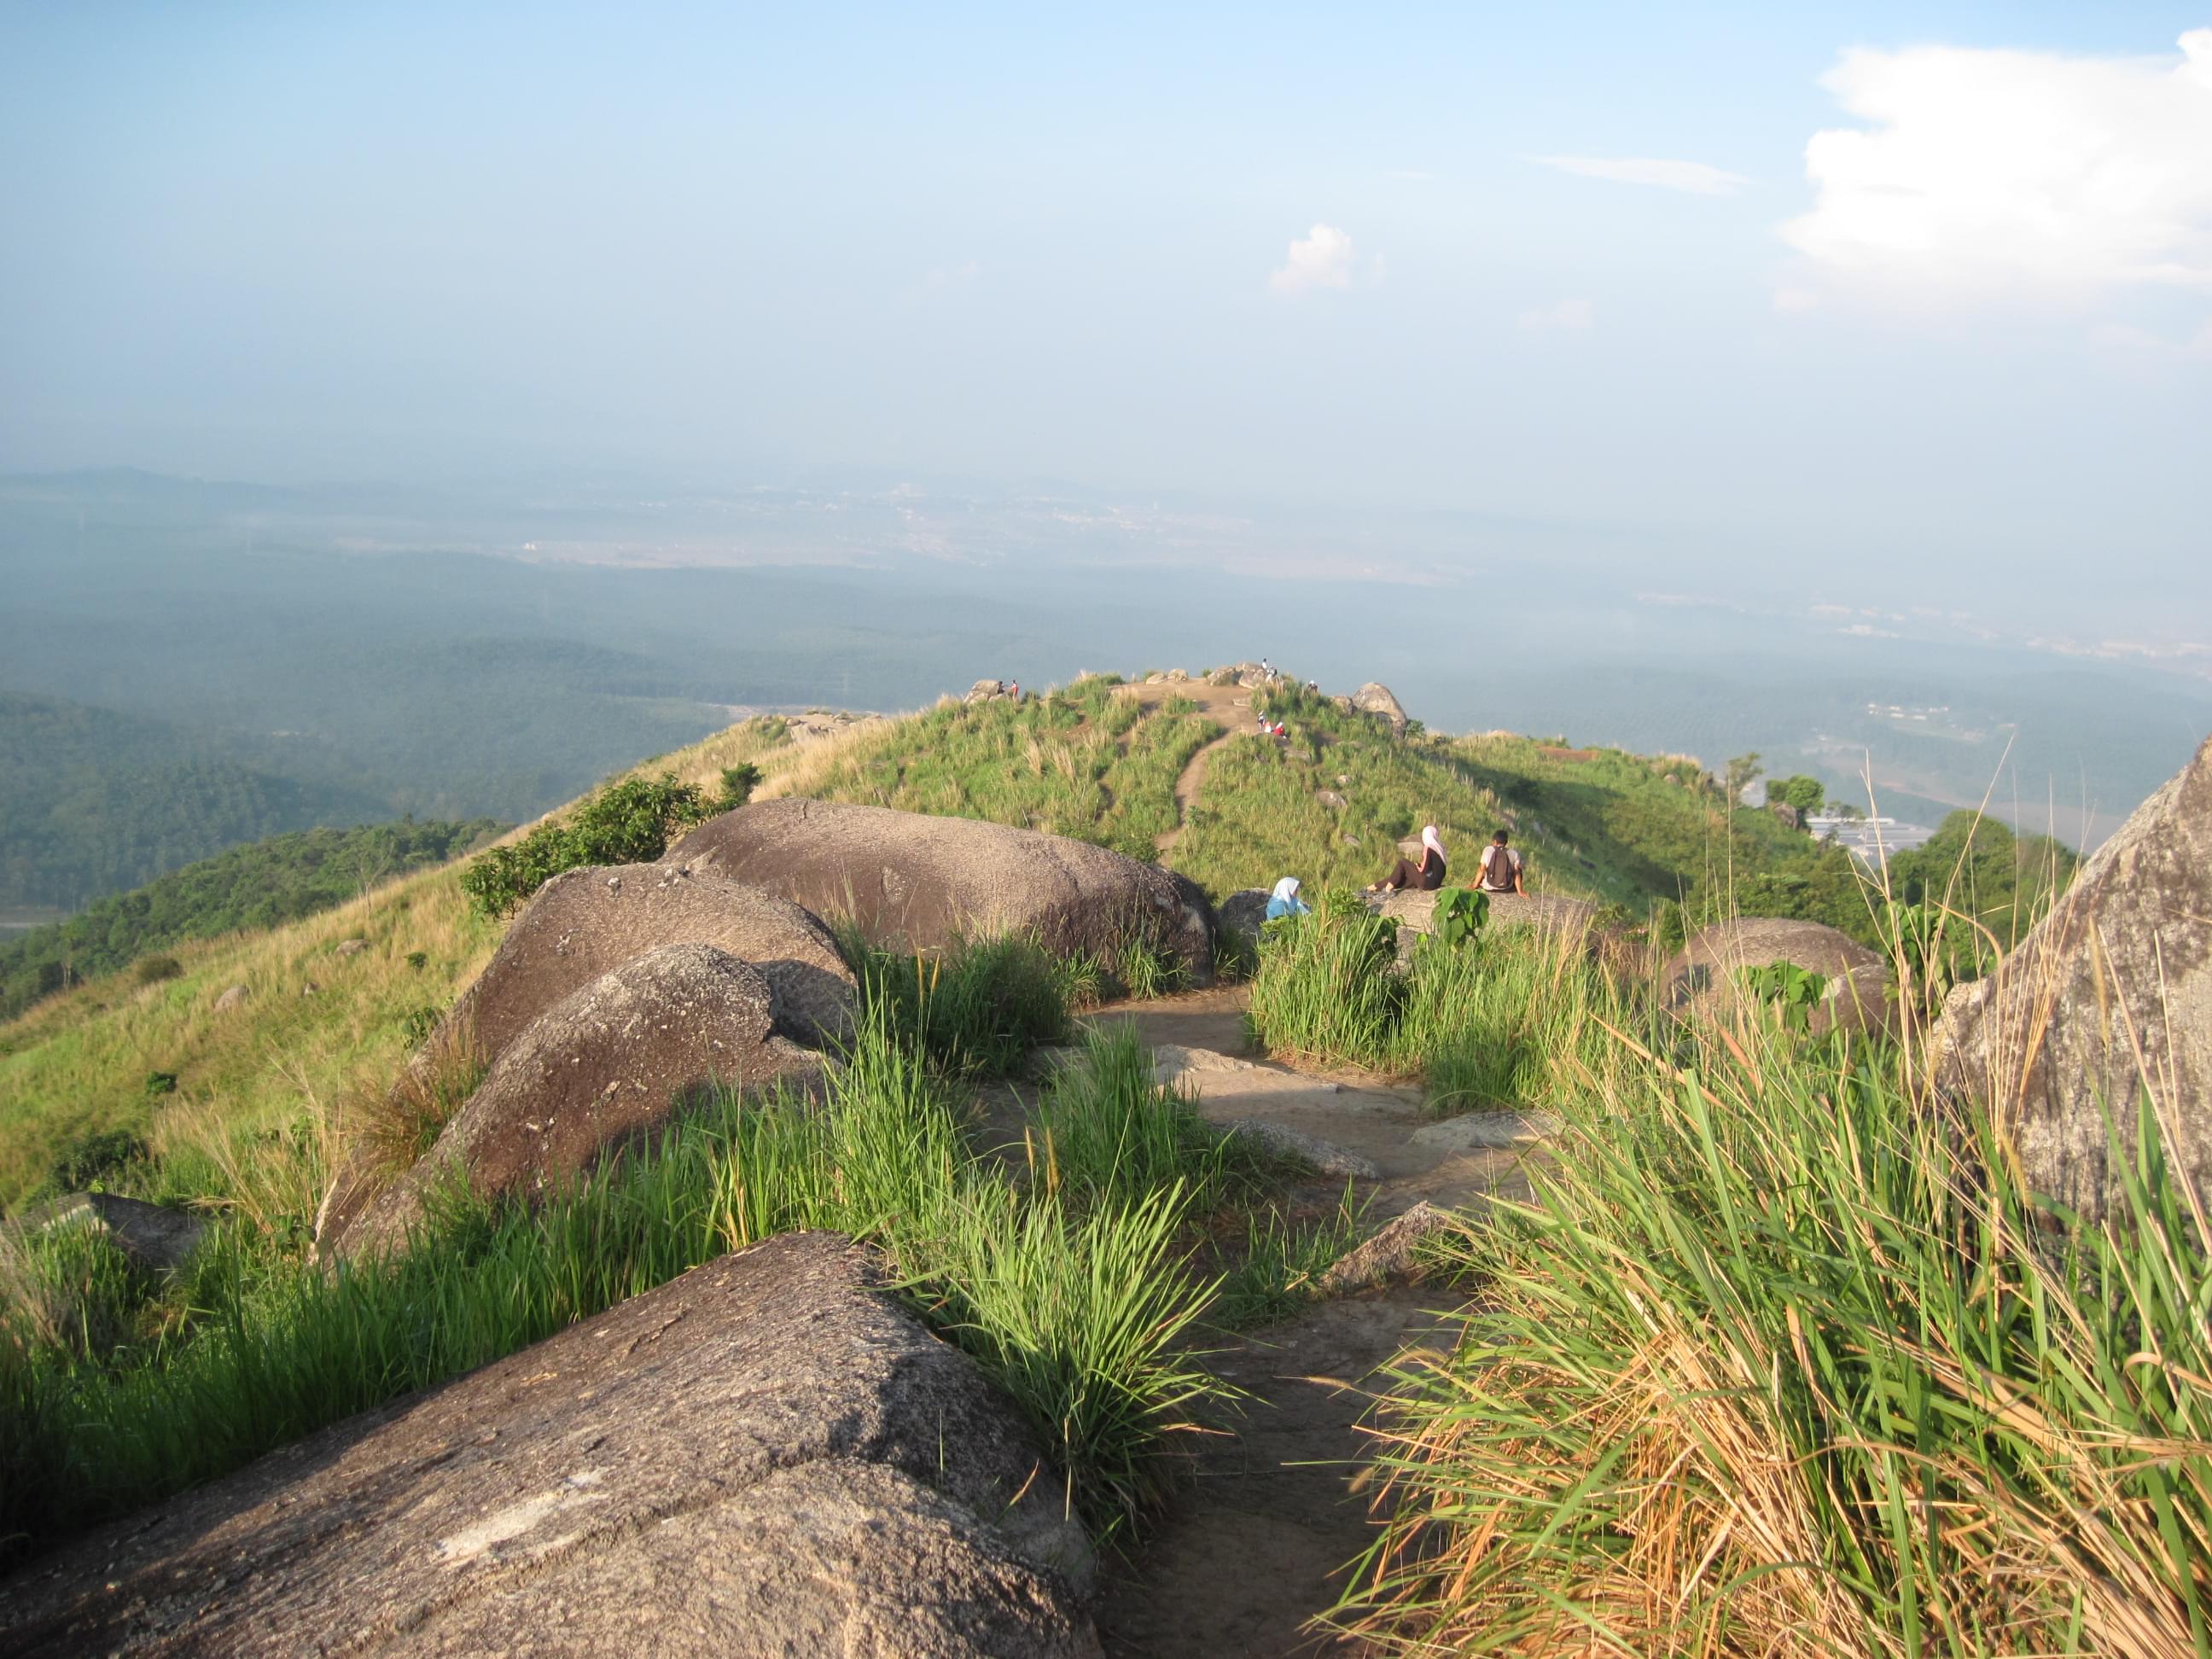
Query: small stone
x=1323, y=1157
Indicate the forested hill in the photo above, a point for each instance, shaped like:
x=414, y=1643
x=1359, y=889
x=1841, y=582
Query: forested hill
x=93, y=801
x=261, y=884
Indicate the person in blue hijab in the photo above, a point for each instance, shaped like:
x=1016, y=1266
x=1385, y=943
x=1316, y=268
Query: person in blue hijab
x=1284, y=900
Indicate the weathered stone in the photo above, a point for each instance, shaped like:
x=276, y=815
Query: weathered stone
x=2109, y=995
x=1375, y=699
x=986, y=691
x=1321, y=1157
x=1330, y=798
x=586, y=922
x=1704, y=973
x=911, y=880
x=607, y=1064
x=1391, y=1254
x=1243, y=912
x=155, y=1237
x=1790, y=815
x=1177, y=676
x=235, y=997
x=1415, y=912
x=349, y=947
x=1487, y=1131
x=766, y=1456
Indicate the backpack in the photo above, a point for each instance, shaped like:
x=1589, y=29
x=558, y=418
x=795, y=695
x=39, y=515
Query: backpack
x=1500, y=865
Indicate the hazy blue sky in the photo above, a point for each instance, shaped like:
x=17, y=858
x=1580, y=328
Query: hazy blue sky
x=1935, y=280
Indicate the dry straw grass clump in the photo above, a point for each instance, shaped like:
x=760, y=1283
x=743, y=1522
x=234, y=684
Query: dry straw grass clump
x=1782, y=1361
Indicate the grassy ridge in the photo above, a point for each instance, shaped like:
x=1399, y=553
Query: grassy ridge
x=1067, y=1278
x=261, y=884
x=1092, y=761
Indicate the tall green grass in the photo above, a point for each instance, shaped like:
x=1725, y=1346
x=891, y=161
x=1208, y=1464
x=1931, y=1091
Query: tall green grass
x=977, y=1008
x=1078, y=1311
x=1783, y=1359
x=1491, y=1022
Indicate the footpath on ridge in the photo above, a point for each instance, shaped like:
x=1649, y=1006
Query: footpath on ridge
x=1255, y=1545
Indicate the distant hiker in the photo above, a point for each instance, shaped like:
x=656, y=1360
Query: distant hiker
x=1284, y=900
x=1266, y=669
x=1426, y=876
x=1014, y=688
x=1500, y=871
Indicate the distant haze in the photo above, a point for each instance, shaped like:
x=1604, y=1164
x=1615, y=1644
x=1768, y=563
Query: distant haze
x=1877, y=305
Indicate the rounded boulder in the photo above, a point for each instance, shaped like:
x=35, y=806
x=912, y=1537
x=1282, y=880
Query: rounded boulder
x=918, y=882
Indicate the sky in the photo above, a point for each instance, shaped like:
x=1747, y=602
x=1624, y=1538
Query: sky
x=1921, y=286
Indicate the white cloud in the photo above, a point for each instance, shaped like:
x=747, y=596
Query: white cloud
x=1322, y=258
x=1987, y=174
x=1692, y=178
x=1573, y=316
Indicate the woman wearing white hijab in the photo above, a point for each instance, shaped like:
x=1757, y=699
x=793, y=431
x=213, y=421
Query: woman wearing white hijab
x=1284, y=900
x=1426, y=876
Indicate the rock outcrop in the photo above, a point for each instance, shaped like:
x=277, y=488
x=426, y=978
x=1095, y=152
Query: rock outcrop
x=1374, y=699
x=1393, y=1254
x=155, y=1237
x=1415, y=912
x=610, y=1062
x=2109, y=994
x=1859, y=994
x=584, y=923
x=922, y=882
x=1245, y=912
x=766, y=1456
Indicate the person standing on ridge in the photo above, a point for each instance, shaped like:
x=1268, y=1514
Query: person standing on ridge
x=1500, y=870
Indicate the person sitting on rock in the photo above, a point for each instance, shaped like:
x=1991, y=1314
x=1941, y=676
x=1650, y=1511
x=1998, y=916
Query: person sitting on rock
x=1284, y=900
x=1426, y=876
x=1500, y=870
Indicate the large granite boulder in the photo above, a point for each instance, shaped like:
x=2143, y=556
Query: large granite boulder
x=1375, y=699
x=609, y=1063
x=766, y=1456
x=2110, y=995
x=1859, y=995
x=584, y=923
x=919, y=881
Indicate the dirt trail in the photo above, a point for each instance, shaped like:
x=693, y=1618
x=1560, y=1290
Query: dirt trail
x=1231, y=705
x=1255, y=1547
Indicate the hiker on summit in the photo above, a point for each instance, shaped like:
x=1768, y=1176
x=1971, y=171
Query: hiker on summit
x=1500, y=870
x=1426, y=876
x=1284, y=900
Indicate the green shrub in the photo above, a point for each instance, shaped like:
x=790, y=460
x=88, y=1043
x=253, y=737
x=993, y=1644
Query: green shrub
x=152, y=970
x=95, y=1158
x=626, y=823
x=161, y=1083
x=1792, y=992
x=738, y=783
x=1105, y=1133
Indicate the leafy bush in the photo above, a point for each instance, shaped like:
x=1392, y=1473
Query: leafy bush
x=152, y=970
x=738, y=783
x=1792, y=992
x=625, y=822
x=1460, y=914
x=95, y=1158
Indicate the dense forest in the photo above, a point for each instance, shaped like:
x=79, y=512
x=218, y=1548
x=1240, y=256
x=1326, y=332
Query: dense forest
x=93, y=801
x=272, y=881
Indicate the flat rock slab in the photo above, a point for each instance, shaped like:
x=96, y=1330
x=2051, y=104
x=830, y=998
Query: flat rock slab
x=1391, y=1254
x=766, y=1456
x=1481, y=1130
x=1321, y=1157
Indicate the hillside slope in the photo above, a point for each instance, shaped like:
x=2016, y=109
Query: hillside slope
x=1096, y=761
